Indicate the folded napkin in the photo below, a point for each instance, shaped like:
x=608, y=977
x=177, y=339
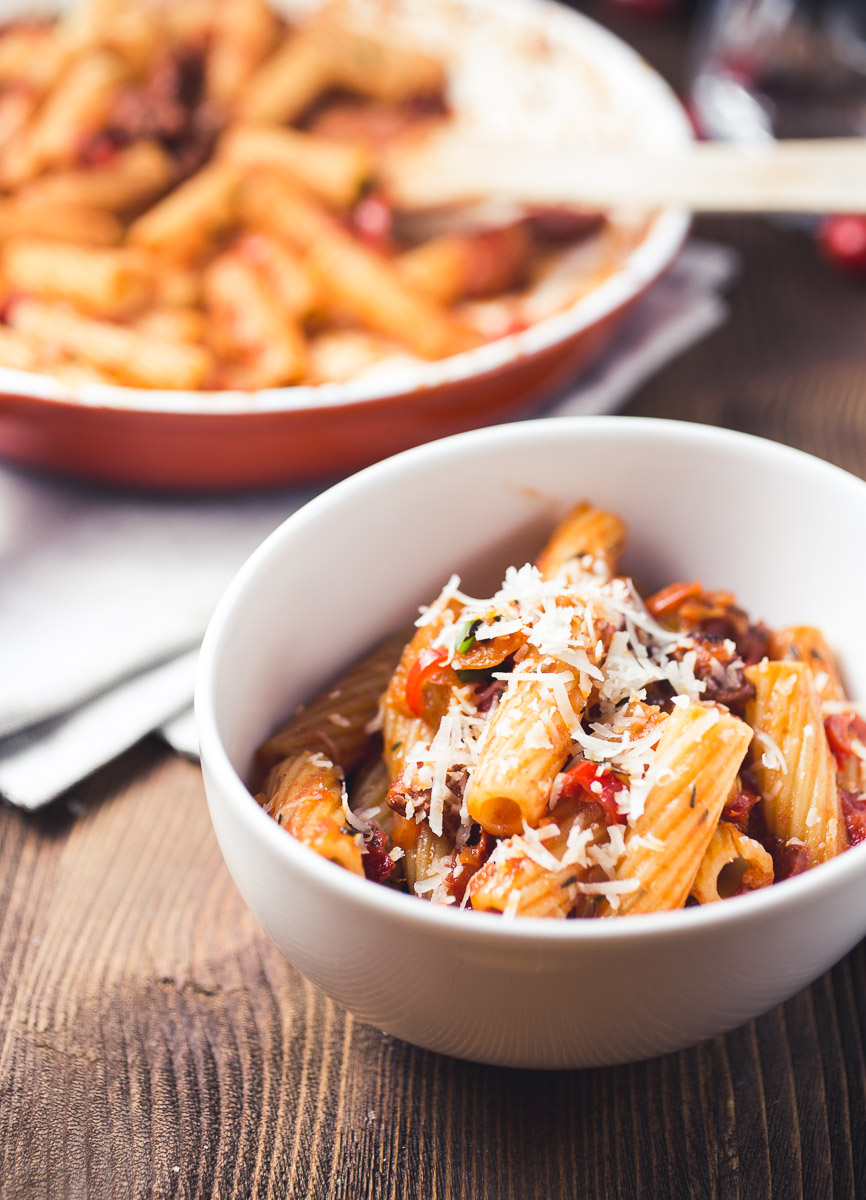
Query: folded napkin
x=106, y=594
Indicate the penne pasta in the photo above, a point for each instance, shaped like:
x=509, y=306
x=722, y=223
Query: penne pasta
x=335, y=723
x=307, y=802
x=31, y=57
x=78, y=106
x=134, y=176
x=173, y=324
x=532, y=876
x=59, y=223
x=454, y=267
x=555, y=751
x=212, y=131
x=243, y=34
x=792, y=763
x=733, y=863
x=427, y=861
x=134, y=357
x=288, y=82
x=335, y=172
x=697, y=759
x=585, y=530
x=103, y=282
x=18, y=351
x=804, y=643
x=182, y=224
x=415, y=698
x=529, y=736
x=354, y=279
x=346, y=354
x=287, y=278
x=270, y=346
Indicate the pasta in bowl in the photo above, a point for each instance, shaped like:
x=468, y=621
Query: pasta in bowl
x=358, y=562
x=198, y=249
x=567, y=749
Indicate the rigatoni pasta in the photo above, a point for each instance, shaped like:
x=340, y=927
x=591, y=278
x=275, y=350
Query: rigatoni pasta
x=232, y=147
x=570, y=748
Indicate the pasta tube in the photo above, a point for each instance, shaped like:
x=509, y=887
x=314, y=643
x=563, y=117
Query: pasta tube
x=733, y=863
x=369, y=795
x=347, y=353
x=424, y=854
x=133, y=356
x=530, y=735
x=696, y=762
x=307, y=802
x=135, y=175
x=381, y=68
x=104, y=282
x=17, y=351
x=76, y=107
x=243, y=34
x=585, y=530
x=793, y=766
x=415, y=699
x=462, y=266
x=173, y=324
x=804, y=643
x=291, y=285
x=335, y=723
x=334, y=171
x=184, y=222
x=59, y=223
x=288, y=81
x=530, y=875
x=354, y=278
x=270, y=345
x=31, y=56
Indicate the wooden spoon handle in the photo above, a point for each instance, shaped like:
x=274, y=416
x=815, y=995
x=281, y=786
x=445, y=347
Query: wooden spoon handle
x=811, y=176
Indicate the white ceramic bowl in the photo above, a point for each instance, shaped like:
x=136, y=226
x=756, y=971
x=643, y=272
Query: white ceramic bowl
x=733, y=511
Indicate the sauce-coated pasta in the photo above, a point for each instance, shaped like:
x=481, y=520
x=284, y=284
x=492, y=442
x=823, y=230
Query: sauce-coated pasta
x=569, y=748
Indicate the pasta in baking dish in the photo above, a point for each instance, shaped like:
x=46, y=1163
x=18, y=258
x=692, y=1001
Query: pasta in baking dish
x=194, y=195
x=567, y=748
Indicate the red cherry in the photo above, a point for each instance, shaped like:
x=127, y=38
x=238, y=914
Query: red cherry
x=843, y=241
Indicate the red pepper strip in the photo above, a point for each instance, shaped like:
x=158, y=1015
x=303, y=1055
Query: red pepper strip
x=738, y=810
x=854, y=812
x=583, y=776
x=672, y=596
x=425, y=665
x=842, y=729
x=378, y=863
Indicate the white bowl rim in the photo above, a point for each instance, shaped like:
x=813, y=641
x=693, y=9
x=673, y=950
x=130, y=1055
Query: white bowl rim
x=403, y=907
x=655, y=252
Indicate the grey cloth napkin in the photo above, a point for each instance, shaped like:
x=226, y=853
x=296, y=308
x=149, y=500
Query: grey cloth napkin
x=105, y=595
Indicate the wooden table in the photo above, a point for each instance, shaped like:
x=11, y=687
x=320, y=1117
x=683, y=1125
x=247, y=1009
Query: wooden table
x=153, y=1042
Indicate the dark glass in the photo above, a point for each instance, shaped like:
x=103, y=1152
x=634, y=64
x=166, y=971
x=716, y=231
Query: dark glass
x=780, y=68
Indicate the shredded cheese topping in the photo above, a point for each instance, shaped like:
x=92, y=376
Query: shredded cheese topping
x=589, y=640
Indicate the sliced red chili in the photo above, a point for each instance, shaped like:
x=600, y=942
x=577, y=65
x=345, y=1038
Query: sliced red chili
x=854, y=812
x=580, y=780
x=738, y=810
x=671, y=597
x=378, y=863
x=423, y=668
x=843, y=729
x=467, y=862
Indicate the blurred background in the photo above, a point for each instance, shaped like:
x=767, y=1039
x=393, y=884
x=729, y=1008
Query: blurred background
x=754, y=70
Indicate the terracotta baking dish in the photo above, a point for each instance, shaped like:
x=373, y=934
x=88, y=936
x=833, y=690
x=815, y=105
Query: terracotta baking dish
x=230, y=440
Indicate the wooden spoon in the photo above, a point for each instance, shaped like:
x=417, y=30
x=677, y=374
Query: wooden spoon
x=821, y=175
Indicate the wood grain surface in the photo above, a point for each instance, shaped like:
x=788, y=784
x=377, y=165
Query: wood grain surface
x=154, y=1043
